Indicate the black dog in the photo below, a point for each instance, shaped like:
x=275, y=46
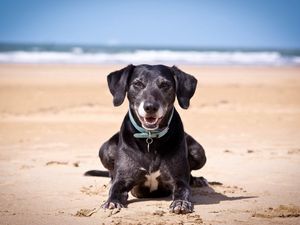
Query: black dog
x=152, y=156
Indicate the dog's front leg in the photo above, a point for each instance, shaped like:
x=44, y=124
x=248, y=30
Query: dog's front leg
x=181, y=198
x=118, y=193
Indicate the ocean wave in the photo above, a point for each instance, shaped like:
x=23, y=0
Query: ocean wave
x=78, y=56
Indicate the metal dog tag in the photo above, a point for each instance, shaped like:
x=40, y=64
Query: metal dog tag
x=149, y=142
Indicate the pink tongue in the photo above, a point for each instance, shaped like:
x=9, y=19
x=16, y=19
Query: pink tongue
x=150, y=119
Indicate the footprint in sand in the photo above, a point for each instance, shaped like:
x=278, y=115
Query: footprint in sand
x=282, y=211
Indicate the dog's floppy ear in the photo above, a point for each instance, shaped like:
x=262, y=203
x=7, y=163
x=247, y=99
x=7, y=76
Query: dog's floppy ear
x=117, y=83
x=185, y=87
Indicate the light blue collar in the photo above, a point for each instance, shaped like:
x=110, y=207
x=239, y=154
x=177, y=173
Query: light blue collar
x=149, y=134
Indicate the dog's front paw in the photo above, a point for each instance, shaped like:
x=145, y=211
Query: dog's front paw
x=181, y=207
x=113, y=205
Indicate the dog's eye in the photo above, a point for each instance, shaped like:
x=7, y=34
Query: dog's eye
x=138, y=84
x=164, y=85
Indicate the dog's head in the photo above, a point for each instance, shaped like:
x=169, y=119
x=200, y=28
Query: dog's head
x=151, y=91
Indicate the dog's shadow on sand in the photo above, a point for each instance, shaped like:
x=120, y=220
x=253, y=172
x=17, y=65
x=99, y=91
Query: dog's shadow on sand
x=207, y=195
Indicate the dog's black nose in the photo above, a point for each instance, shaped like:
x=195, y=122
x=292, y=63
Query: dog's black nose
x=151, y=107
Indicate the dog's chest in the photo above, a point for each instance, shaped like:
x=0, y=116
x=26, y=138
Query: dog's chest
x=151, y=180
x=153, y=173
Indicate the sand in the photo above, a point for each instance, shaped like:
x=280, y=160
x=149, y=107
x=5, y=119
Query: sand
x=53, y=118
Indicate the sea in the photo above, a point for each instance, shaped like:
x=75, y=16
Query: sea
x=99, y=54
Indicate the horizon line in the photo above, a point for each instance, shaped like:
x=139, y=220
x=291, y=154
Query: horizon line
x=154, y=46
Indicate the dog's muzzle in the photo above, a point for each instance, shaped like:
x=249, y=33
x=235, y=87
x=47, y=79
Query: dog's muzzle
x=150, y=115
x=147, y=134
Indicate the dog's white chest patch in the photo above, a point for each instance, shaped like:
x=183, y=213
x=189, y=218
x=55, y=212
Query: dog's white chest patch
x=152, y=181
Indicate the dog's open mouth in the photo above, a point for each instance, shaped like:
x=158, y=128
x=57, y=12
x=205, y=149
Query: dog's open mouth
x=150, y=122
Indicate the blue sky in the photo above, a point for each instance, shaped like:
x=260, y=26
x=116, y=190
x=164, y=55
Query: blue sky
x=196, y=23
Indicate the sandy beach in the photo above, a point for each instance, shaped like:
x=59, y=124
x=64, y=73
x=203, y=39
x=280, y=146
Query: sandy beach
x=53, y=119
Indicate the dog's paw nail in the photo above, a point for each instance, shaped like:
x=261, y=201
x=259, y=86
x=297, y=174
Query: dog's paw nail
x=104, y=206
x=119, y=206
x=181, y=207
x=177, y=209
x=111, y=205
